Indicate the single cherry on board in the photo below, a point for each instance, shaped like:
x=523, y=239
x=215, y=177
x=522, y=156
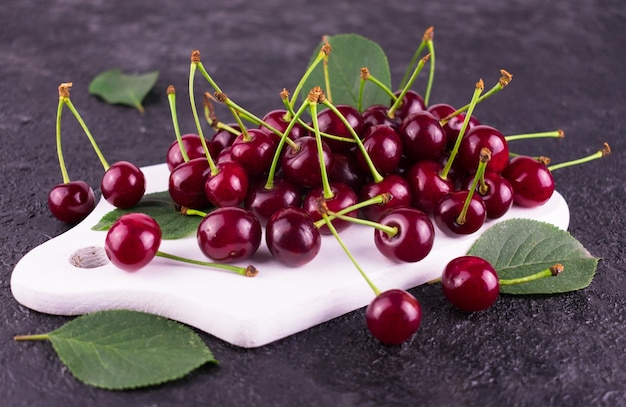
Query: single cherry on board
x=72, y=201
x=292, y=237
x=448, y=211
x=132, y=241
x=393, y=316
x=414, y=238
x=531, y=180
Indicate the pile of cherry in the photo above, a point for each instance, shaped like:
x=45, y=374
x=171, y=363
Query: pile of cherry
x=401, y=171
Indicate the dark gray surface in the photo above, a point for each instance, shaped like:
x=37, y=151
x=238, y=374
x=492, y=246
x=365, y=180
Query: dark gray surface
x=567, y=62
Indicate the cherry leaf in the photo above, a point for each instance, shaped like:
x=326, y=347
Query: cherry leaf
x=521, y=247
x=350, y=53
x=116, y=87
x=122, y=349
x=159, y=205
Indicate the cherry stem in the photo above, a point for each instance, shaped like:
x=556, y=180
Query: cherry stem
x=416, y=55
x=606, y=150
x=478, y=89
x=546, y=134
x=211, y=118
x=332, y=229
x=192, y=212
x=367, y=76
x=392, y=110
x=195, y=60
x=551, y=271
x=485, y=156
x=329, y=94
x=64, y=95
x=378, y=199
x=431, y=74
x=505, y=79
x=35, y=337
x=171, y=97
x=249, y=271
x=323, y=54
x=66, y=177
x=313, y=98
x=391, y=231
x=375, y=174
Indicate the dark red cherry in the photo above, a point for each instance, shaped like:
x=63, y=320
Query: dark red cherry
x=186, y=183
x=414, y=238
x=343, y=197
x=71, y=202
x=452, y=126
x=497, y=194
x=227, y=187
x=255, y=154
x=132, y=241
x=476, y=139
x=393, y=184
x=377, y=114
x=411, y=103
x=123, y=185
x=302, y=166
x=265, y=202
x=422, y=136
x=470, y=283
x=192, y=145
x=330, y=123
x=229, y=234
x=223, y=139
x=292, y=238
x=447, y=211
x=532, y=181
x=276, y=119
x=393, y=316
x=426, y=185
x=384, y=147
x=346, y=170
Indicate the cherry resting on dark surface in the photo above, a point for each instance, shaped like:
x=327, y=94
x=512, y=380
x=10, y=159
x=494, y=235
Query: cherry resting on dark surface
x=132, y=241
x=71, y=202
x=414, y=239
x=123, y=185
x=393, y=316
x=532, y=181
x=292, y=237
x=470, y=283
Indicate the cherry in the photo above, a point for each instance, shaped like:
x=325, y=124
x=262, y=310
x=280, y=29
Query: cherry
x=132, y=241
x=302, y=166
x=453, y=126
x=228, y=186
x=393, y=184
x=377, y=114
x=186, y=183
x=480, y=137
x=470, y=283
x=411, y=103
x=265, y=202
x=254, y=152
x=345, y=169
x=276, y=119
x=427, y=186
x=496, y=192
x=330, y=123
x=423, y=137
x=449, y=213
x=384, y=147
x=229, y=234
x=72, y=201
x=413, y=239
x=393, y=316
x=531, y=180
x=223, y=139
x=343, y=197
x=123, y=185
x=193, y=147
x=292, y=237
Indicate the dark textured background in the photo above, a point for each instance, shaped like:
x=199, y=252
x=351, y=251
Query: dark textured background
x=568, y=61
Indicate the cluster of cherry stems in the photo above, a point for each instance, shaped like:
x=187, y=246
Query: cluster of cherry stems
x=401, y=169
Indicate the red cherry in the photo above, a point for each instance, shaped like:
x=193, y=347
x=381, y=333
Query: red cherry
x=71, y=202
x=254, y=154
x=343, y=197
x=330, y=123
x=186, y=183
x=292, y=238
x=123, y=185
x=192, y=145
x=393, y=316
x=422, y=136
x=393, y=184
x=227, y=187
x=302, y=166
x=447, y=211
x=474, y=141
x=384, y=148
x=532, y=181
x=427, y=186
x=132, y=241
x=470, y=283
x=414, y=239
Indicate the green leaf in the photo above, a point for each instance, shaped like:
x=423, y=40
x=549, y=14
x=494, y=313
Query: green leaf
x=116, y=87
x=159, y=205
x=521, y=247
x=123, y=349
x=350, y=53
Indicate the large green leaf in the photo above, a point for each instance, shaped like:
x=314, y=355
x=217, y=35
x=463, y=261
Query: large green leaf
x=521, y=247
x=350, y=53
x=116, y=87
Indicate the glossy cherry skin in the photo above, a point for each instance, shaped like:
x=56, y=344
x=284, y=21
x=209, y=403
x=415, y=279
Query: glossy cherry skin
x=343, y=197
x=265, y=202
x=345, y=169
x=330, y=123
x=302, y=166
x=411, y=103
x=422, y=137
x=393, y=316
x=227, y=187
x=276, y=119
x=532, y=181
x=229, y=234
x=470, y=283
x=384, y=148
x=452, y=128
x=223, y=139
x=292, y=238
x=393, y=184
x=123, y=185
x=256, y=153
x=449, y=208
x=132, y=241
x=476, y=139
x=498, y=195
x=377, y=114
x=71, y=202
x=192, y=145
x=427, y=186
x=414, y=239
x=186, y=183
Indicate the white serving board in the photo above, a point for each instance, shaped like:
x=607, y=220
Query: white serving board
x=247, y=312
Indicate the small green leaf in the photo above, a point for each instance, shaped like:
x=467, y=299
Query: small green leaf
x=159, y=205
x=521, y=247
x=116, y=87
x=350, y=53
x=123, y=349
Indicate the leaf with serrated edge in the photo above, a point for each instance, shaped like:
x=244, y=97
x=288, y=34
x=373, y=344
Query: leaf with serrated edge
x=116, y=87
x=124, y=349
x=159, y=205
x=521, y=247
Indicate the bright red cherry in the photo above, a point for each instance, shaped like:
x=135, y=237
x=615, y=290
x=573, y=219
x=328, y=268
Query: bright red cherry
x=532, y=181
x=71, y=202
x=193, y=147
x=384, y=148
x=343, y=197
x=292, y=238
x=470, y=283
x=254, y=154
x=474, y=141
x=414, y=238
x=227, y=187
x=302, y=166
x=265, y=202
x=427, y=186
x=422, y=136
x=186, y=183
x=497, y=194
x=393, y=316
x=411, y=103
x=123, y=185
x=330, y=123
x=395, y=185
x=132, y=241
x=448, y=210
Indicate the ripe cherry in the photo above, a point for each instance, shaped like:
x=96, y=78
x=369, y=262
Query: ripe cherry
x=411, y=103
x=496, y=193
x=186, y=183
x=377, y=114
x=123, y=185
x=330, y=123
x=228, y=186
x=532, y=181
x=345, y=169
x=450, y=217
x=414, y=237
x=193, y=147
x=470, y=283
x=474, y=141
x=393, y=184
x=255, y=153
x=453, y=126
x=422, y=136
x=393, y=316
x=71, y=202
x=343, y=197
x=265, y=202
x=292, y=237
x=223, y=139
x=383, y=146
x=276, y=119
x=427, y=186
x=302, y=166
x=132, y=241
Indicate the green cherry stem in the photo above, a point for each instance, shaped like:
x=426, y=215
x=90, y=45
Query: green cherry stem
x=323, y=54
x=431, y=75
x=313, y=98
x=605, y=151
x=192, y=212
x=416, y=55
x=391, y=231
x=551, y=271
x=64, y=95
x=211, y=118
x=367, y=76
x=477, y=90
x=249, y=271
x=479, y=177
x=545, y=134
x=378, y=199
x=63, y=88
x=396, y=104
x=171, y=98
